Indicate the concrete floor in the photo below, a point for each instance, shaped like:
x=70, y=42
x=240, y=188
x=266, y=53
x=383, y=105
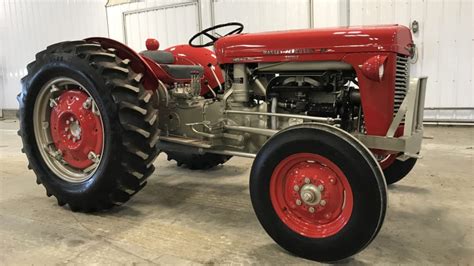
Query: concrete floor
x=205, y=217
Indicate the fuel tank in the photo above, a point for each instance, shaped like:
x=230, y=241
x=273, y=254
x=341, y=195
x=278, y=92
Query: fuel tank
x=312, y=44
x=187, y=55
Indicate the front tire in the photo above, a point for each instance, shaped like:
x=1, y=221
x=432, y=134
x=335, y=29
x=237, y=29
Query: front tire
x=88, y=126
x=318, y=192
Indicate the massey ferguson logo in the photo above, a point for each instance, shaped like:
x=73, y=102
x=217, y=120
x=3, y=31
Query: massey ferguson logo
x=290, y=51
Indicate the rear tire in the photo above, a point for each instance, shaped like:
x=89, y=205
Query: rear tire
x=197, y=161
x=298, y=169
x=129, y=125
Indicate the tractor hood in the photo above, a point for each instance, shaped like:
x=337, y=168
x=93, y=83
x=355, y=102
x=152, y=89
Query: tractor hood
x=312, y=44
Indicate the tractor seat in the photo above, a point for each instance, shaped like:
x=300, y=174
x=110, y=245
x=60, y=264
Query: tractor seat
x=182, y=71
x=160, y=57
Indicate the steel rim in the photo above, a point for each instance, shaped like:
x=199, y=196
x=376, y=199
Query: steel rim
x=69, y=130
x=311, y=195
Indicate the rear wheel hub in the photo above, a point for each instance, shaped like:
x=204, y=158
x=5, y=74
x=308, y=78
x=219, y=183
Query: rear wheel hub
x=76, y=130
x=69, y=129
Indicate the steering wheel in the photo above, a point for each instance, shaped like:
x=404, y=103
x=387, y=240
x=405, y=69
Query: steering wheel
x=215, y=36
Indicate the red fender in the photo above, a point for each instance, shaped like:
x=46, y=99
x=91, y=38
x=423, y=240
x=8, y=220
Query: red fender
x=153, y=73
x=137, y=63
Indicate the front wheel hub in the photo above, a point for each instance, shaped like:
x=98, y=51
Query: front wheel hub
x=311, y=195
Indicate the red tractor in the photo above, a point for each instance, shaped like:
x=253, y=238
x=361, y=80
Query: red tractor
x=330, y=116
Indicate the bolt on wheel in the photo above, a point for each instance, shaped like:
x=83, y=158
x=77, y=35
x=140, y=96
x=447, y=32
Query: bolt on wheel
x=68, y=129
x=89, y=126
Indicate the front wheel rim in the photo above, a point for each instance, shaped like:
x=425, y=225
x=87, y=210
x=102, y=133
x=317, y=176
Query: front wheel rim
x=311, y=195
x=69, y=129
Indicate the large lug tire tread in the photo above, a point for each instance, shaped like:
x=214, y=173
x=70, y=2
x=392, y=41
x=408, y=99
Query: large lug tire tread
x=398, y=170
x=363, y=174
x=197, y=161
x=130, y=124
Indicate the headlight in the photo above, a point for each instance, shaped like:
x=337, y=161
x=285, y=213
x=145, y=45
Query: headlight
x=381, y=68
x=374, y=67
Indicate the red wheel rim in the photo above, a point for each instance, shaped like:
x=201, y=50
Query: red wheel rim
x=311, y=195
x=76, y=131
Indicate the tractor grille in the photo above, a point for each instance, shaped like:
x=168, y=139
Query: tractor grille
x=401, y=81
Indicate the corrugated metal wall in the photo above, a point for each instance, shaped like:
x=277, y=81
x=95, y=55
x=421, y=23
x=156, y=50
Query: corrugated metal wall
x=445, y=44
x=28, y=26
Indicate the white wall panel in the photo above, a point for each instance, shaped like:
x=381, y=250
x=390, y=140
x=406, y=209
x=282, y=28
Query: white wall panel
x=169, y=24
x=28, y=26
x=445, y=44
x=329, y=13
x=264, y=15
x=256, y=15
